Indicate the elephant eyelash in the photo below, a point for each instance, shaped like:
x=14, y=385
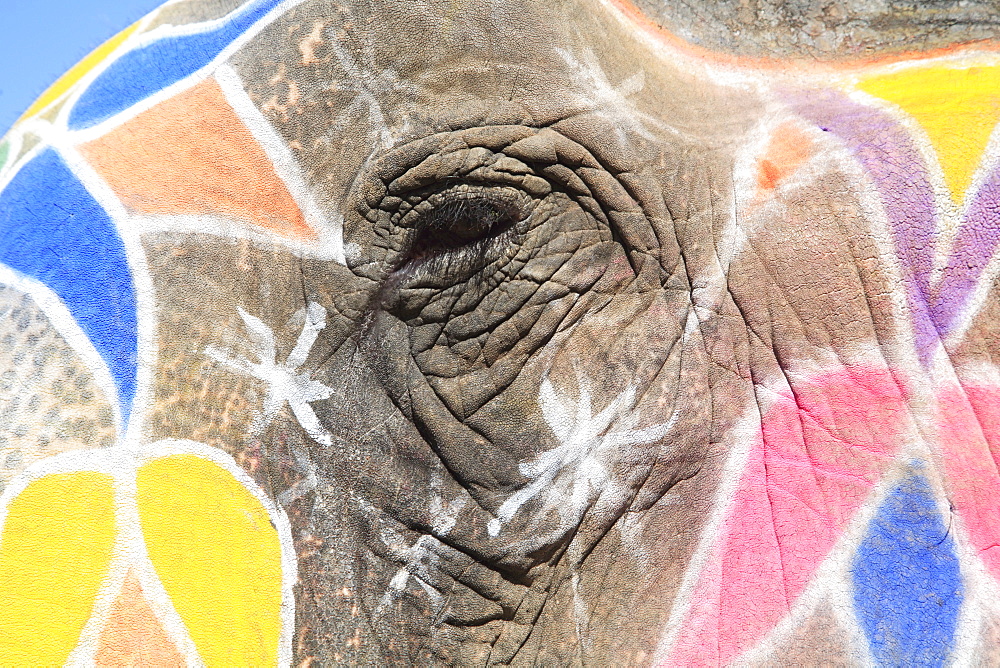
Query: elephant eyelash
x=459, y=233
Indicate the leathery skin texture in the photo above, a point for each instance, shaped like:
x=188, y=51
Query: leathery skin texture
x=456, y=332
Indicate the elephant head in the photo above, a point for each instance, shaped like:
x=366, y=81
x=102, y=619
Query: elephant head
x=555, y=333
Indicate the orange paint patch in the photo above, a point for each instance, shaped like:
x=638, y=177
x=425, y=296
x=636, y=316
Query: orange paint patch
x=786, y=152
x=133, y=636
x=192, y=155
x=788, y=149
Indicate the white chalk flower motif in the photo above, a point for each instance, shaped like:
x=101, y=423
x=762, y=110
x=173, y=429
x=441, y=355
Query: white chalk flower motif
x=570, y=475
x=371, y=84
x=612, y=102
x=419, y=561
x=286, y=382
x=444, y=513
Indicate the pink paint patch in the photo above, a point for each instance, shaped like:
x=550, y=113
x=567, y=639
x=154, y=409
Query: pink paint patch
x=970, y=442
x=714, y=628
x=822, y=449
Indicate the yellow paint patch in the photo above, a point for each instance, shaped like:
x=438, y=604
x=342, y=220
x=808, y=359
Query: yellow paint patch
x=78, y=71
x=957, y=108
x=54, y=554
x=218, y=556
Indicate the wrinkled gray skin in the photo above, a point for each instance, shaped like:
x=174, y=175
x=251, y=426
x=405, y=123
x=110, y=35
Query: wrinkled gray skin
x=614, y=269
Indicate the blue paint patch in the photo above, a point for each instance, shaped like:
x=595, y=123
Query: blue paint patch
x=140, y=73
x=907, y=584
x=53, y=231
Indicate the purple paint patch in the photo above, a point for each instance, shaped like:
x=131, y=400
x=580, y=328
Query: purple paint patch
x=975, y=244
x=887, y=153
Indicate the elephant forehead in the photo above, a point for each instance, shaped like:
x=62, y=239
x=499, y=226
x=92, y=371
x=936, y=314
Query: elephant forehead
x=555, y=340
x=341, y=85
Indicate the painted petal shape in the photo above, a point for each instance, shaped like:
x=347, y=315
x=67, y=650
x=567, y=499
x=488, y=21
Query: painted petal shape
x=55, y=551
x=192, y=155
x=53, y=231
x=908, y=588
x=146, y=70
x=218, y=556
x=822, y=450
x=132, y=635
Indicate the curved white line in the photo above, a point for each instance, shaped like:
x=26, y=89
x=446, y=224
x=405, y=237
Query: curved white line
x=64, y=322
x=285, y=165
x=142, y=282
x=87, y=134
x=122, y=462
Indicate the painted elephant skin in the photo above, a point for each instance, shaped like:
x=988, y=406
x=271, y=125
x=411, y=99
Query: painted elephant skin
x=509, y=332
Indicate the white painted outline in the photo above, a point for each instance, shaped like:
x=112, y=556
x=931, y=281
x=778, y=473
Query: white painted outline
x=832, y=581
x=15, y=167
x=145, y=296
x=226, y=230
x=946, y=215
x=732, y=77
x=331, y=232
x=979, y=297
x=13, y=139
x=843, y=540
x=66, y=325
x=130, y=550
x=828, y=581
x=114, y=54
x=196, y=77
x=951, y=216
x=122, y=463
x=905, y=359
x=130, y=553
x=745, y=434
x=829, y=578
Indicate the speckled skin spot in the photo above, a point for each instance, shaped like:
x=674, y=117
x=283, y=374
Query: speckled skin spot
x=49, y=402
x=190, y=401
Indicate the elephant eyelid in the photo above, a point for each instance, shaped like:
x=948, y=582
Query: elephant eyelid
x=460, y=231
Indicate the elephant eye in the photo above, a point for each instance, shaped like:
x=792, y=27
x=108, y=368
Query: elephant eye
x=463, y=227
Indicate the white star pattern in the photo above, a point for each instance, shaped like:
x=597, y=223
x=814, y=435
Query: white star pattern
x=418, y=562
x=569, y=475
x=444, y=513
x=611, y=102
x=419, y=558
x=286, y=382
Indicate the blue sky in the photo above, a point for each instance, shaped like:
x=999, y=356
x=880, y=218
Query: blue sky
x=41, y=39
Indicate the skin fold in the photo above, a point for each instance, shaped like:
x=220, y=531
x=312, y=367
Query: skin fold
x=564, y=333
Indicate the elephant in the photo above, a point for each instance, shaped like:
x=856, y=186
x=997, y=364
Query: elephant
x=583, y=332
